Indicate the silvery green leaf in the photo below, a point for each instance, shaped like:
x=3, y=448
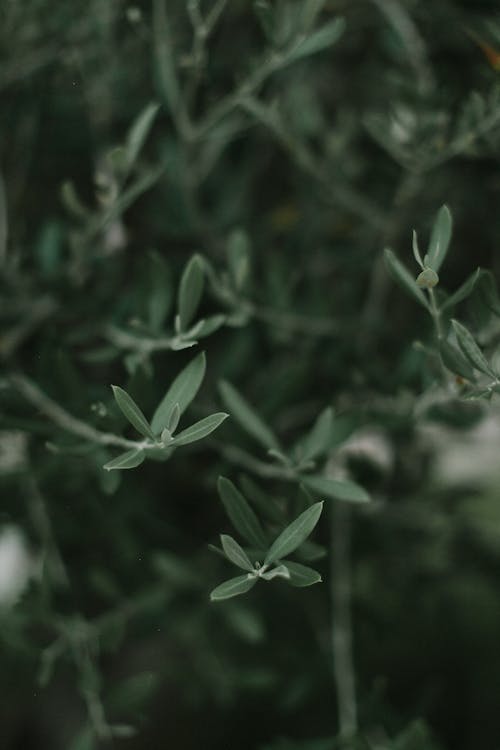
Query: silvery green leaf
x=471, y=350
x=199, y=430
x=233, y=587
x=128, y=460
x=416, y=251
x=207, y=326
x=294, y=534
x=338, y=489
x=463, y=291
x=246, y=416
x=280, y=571
x=238, y=257
x=318, y=41
x=454, y=361
x=317, y=440
x=182, y=391
x=190, y=291
x=279, y=456
x=241, y=514
x=235, y=553
x=131, y=411
x=404, y=277
x=178, y=344
x=173, y=419
x=160, y=295
x=440, y=239
x=139, y=132
x=301, y=575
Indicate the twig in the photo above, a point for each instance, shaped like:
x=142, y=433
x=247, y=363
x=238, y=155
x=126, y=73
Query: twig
x=341, y=635
x=68, y=422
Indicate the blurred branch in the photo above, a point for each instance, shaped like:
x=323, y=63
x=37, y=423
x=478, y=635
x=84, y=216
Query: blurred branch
x=66, y=421
x=4, y=226
x=340, y=594
x=407, y=30
x=38, y=313
x=304, y=158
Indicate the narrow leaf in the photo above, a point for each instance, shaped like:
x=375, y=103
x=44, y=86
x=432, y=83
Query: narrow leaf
x=173, y=419
x=245, y=415
x=454, y=361
x=128, y=460
x=132, y=412
x=209, y=325
x=416, y=251
x=241, y=514
x=139, y=132
x=463, y=291
x=301, y=575
x=318, y=41
x=403, y=277
x=280, y=571
x=200, y=429
x=440, y=239
x=338, y=489
x=190, y=291
x=182, y=391
x=235, y=553
x=233, y=587
x=294, y=534
x=470, y=349
x=318, y=439
x=238, y=257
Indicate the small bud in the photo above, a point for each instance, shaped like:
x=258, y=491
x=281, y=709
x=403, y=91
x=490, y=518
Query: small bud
x=428, y=279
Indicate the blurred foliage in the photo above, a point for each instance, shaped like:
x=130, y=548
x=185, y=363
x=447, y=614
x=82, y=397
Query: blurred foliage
x=284, y=144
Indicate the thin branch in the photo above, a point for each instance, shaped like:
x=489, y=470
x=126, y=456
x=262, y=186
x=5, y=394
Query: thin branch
x=341, y=634
x=68, y=422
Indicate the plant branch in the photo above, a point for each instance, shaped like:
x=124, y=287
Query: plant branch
x=67, y=422
x=341, y=634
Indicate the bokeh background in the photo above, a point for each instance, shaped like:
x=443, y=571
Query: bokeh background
x=313, y=165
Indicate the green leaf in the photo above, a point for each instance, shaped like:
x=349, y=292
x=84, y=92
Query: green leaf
x=489, y=292
x=173, y=419
x=440, y=239
x=245, y=415
x=139, y=132
x=471, y=350
x=338, y=489
x=318, y=439
x=280, y=571
x=463, y=291
x=182, y=391
x=207, y=326
x=416, y=251
x=404, y=277
x=454, y=361
x=238, y=257
x=294, y=534
x=241, y=514
x=235, y=553
x=233, y=587
x=132, y=412
x=199, y=430
x=318, y=41
x=190, y=291
x=159, y=297
x=301, y=575
x=128, y=460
